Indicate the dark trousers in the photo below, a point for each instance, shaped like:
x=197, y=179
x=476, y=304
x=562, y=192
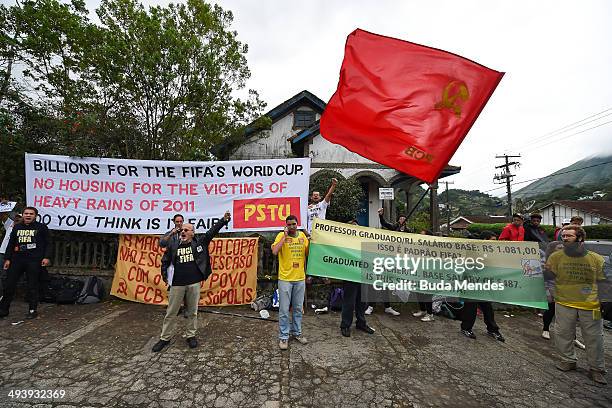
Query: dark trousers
x=425, y=302
x=468, y=316
x=548, y=316
x=606, y=310
x=17, y=269
x=351, y=302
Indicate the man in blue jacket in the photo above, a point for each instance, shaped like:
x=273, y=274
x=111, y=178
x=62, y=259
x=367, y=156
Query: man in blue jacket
x=185, y=265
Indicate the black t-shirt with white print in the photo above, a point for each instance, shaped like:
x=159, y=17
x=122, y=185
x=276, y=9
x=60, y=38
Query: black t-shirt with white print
x=185, y=269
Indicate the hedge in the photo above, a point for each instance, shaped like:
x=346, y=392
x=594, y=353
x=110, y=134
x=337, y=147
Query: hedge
x=602, y=231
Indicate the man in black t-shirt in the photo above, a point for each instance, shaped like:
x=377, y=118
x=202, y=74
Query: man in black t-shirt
x=185, y=264
x=27, y=251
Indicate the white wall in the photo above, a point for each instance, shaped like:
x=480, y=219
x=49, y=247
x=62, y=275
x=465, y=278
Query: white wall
x=268, y=144
x=562, y=212
x=321, y=150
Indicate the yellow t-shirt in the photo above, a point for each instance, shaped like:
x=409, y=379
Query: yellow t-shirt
x=576, y=279
x=291, y=257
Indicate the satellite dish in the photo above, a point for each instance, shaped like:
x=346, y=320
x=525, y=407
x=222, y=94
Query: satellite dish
x=529, y=205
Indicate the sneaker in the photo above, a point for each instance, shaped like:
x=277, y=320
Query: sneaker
x=32, y=314
x=366, y=329
x=193, y=342
x=301, y=339
x=283, y=344
x=468, y=333
x=428, y=318
x=579, y=344
x=598, y=377
x=369, y=310
x=159, y=346
x=3, y=313
x=420, y=313
x=546, y=334
x=607, y=325
x=497, y=336
x=346, y=331
x=565, y=366
x=392, y=311
x=321, y=311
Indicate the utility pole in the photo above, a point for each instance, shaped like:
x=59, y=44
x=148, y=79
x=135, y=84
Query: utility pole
x=506, y=177
x=448, y=217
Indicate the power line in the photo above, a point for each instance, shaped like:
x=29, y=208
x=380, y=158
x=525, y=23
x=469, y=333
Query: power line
x=573, y=125
x=573, y=134
x=538, y=140
x=556, y=132
x=551, y=175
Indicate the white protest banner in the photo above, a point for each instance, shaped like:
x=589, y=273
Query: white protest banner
x=141, y=196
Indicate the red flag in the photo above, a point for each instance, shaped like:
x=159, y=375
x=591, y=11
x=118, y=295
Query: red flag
x=405, y=105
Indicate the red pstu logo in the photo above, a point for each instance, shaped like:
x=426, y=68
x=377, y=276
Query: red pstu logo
x=265, y=212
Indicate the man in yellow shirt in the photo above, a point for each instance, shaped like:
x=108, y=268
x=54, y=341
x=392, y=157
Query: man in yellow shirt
x=291, y=246
x=576, y=272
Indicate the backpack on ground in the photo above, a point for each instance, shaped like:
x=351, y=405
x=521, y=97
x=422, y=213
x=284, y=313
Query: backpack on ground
x=92, y=292
x=61, y=290
x=261, y=303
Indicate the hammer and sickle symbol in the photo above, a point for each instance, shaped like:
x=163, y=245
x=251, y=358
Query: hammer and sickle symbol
x=453, y=93
x=122, y=287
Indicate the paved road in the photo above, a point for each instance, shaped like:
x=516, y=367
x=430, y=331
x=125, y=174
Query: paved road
x=100, y=356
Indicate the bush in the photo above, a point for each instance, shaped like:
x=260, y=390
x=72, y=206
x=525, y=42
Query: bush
x=603, y=231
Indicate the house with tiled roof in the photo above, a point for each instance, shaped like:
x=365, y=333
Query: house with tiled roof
x=463, y=222
x=295, y=133
x=593, y=212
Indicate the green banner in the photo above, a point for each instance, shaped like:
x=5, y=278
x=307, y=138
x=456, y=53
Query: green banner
x=498, y=271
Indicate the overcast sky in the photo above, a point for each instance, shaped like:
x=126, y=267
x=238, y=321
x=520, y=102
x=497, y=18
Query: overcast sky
x=557, y=60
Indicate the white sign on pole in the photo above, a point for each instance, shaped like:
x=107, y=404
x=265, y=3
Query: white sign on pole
x=142, y=196
x=7, y=206
x=386, y=193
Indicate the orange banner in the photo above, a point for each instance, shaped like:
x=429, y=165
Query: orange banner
x=233, y=281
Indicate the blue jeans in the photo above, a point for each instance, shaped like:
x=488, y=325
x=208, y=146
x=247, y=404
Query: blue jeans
x=290, y=294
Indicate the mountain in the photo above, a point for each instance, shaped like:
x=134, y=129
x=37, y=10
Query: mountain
x=471, y=202
x=593, y=171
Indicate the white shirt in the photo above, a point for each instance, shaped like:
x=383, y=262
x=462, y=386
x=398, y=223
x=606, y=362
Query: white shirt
x=8, y=226
x=316, y=211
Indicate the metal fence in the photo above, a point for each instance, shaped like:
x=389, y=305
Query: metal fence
x=87, y=252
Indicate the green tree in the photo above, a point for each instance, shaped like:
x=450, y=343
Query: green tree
x=145, y=83
x=172, y=72
x=344, y=205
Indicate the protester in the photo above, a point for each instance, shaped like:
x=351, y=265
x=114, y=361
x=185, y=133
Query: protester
x=468, y=314
x=174, y=235
x=549, y=284
x=317, y=208
x=577, y=272
x=9, y=220
x=351, y=302
x=566, y=222
x=291, y=246
x=576, y=220
x=28, y=249
x=513, y=231
x=399, y=226
x=425, y=304
x=185, y=264
x=533, y=231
